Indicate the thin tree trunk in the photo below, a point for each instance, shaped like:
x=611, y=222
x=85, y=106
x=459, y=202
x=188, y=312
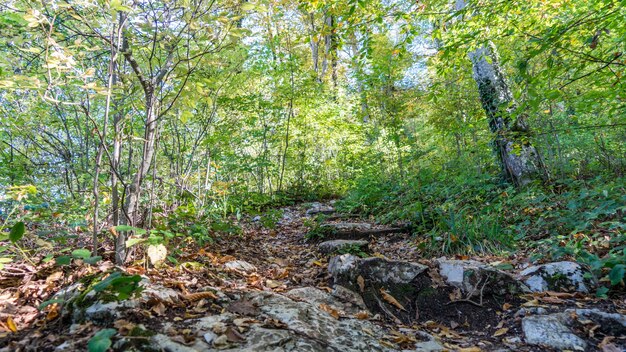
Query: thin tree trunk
x=111, y=82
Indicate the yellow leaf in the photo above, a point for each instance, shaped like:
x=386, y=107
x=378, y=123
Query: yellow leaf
x=391, y=300
x=361, y=282
x=330, y=310
x=500, y=332
x=11, y=324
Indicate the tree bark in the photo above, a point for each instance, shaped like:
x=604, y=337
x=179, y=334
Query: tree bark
x=520, y=160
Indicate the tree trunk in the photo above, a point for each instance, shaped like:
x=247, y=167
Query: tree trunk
x=520, y=161
x=134, y=190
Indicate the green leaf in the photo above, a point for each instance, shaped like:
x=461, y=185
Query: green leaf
x=49, y=302
x=5, y=260
x=63, y=260
x=617, y=274
x=81, y=253
x=17, y=232
x=92, y=260
x=602, y=291
x=248, y=6
x=130, y=228
x=133, y=241
x=101, y=341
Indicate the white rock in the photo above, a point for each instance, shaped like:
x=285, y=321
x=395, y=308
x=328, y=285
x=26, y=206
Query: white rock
x=558, y=276
x=209, y=337
x=550, y=331
x=473, y=276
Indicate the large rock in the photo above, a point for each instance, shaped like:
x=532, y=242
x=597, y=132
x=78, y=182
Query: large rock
x=347, y=268
x=557, y=330
x=559, y=276
x=380, y=282
x=341, y=299
x=475, y=278
x=329, y=247
x=550, y=331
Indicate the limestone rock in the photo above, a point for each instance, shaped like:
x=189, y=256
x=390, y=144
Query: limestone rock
x=347, y=226
x=555, y=330
x=345, y=302
x=347, y=268
x=240, y=265
x=318, y=208
x=472, y=277
x=558, y=276
x=337, y=245
x=550, y=331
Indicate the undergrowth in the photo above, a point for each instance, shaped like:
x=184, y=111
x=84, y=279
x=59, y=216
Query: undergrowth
x=456, y=214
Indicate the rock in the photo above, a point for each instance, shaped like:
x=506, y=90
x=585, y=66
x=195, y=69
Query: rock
x=346, y=227
x=558, y=276
x=344, y=303
x=555, y=330
x=164, y=294
x=349, y=297
x=240, y=265
x=104, y=313
x=337, y=245
x=162, y=342
x=550, y=331
x=472, y=277
x=315, y=329
x=430, y=345
x=318, y=208
x=347, y=268
x=209, y=337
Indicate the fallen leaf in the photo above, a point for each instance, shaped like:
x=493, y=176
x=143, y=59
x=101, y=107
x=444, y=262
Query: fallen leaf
x=391, y=300
x=273, y=283
x=11, y=324
x=361, y=282
x=200, y=295
x=362, y=315
x=506, y=306
x=53, y=312
x=330, y=310
x=159, y=309
x=500, y=332
x=233, y=335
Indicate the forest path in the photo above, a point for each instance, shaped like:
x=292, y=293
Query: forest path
x=276, y=287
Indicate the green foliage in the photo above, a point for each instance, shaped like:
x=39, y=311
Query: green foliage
x=17, y=231
x=315, y=229
x=101, y=340
x=353, y=249
x=118, y=286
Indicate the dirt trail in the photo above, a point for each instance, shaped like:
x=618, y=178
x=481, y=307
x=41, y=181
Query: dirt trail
x=272, y=286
